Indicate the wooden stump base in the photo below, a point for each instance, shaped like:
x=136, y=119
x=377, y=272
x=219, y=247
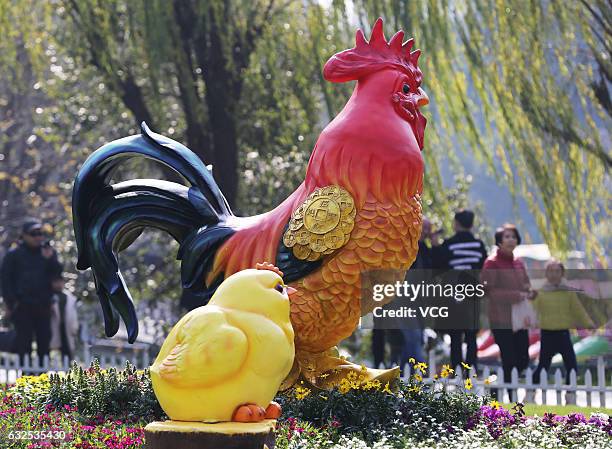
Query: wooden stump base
x=197, y=435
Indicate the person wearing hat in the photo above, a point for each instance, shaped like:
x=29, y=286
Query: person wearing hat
x=27, y=272
x=465, y=252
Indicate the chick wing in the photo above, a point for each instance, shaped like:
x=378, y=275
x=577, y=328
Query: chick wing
x=203, y=349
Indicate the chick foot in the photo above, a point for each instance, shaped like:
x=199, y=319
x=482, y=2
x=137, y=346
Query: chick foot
x=249, y=413
x=273, y=411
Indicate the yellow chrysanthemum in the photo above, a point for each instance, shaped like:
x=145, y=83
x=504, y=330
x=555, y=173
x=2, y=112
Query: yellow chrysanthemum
x=411, y=360
x=446, y=371
x=301, y=393
x=387, y=389
x=345, y=386
x=421, y=366
x=465, y=365
x=351, y=376
x=495, y=404
x=468, y=384
x=418, y=377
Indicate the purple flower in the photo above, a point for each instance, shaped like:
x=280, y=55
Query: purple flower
x=575, y=418
x=471, y=422
x=549, y=419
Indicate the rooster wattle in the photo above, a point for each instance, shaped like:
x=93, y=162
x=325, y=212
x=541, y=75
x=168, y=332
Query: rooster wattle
x=358, y=208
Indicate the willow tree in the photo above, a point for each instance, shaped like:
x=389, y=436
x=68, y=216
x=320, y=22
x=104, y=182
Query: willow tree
x=524, y=88
x=193, y=51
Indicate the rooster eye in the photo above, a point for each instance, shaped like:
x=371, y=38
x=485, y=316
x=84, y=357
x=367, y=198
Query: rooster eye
x=406, y=88
x=279, y=288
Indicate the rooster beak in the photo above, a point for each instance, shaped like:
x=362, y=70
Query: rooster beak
x=290, y=290
x=423, y=98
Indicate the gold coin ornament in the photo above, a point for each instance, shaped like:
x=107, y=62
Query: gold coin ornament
x=317, y=244
x=322, y=215
x=334, y=239
x=302, y=237
x=301, y=252
x=289, y=239
x=294, y=225
x=321, y=224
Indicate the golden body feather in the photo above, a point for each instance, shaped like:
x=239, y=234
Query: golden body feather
x=326, y=307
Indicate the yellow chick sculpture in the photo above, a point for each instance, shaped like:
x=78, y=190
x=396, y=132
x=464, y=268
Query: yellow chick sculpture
x=225, y=361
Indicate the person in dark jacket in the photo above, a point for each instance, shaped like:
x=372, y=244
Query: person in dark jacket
x=462, y=251
x=27, y=272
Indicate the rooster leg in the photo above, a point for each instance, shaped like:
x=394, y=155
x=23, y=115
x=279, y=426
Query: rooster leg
x=326, y=370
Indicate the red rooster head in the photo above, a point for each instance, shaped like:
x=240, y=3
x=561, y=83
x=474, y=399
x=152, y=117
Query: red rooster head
x=388, y=66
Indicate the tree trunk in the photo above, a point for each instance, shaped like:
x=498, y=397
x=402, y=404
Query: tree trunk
x=182, y=32
x=132, y=98
x=222, y=96
x=223, y=127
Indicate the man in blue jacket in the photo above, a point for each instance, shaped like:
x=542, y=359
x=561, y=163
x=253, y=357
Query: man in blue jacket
x=27, y=272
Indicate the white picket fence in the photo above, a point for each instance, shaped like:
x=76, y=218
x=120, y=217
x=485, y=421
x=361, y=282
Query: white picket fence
x=547, y=391
x=11, y=368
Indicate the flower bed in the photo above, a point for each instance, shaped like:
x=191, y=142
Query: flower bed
x=25, y=426
x=94, y=408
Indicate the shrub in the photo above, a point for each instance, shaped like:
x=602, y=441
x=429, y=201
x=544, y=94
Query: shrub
x=366, y=409
x=98, y=408
x=121, y=394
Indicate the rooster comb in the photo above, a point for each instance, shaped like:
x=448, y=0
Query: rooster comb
x=373, y=55
x=394, y=48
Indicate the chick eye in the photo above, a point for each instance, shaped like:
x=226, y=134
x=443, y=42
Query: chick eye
x=406, y=88
x=279, y=288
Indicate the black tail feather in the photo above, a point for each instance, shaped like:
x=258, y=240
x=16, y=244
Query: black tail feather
x=109, y=218
x=197, y=254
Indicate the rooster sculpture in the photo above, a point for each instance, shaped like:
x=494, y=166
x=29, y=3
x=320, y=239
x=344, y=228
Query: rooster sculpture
x=358, y=209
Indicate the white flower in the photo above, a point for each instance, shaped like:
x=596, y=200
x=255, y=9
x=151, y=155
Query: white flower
x=600, y=415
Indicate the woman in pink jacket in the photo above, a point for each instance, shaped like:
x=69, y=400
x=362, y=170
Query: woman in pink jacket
x=506, y=283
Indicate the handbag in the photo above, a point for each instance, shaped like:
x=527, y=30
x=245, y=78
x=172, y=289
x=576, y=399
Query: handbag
x=524, y=316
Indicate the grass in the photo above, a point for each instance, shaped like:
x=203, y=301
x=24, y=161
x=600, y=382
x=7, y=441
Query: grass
x=534, y=409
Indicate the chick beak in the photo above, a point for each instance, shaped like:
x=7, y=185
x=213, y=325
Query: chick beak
x=290, y=290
